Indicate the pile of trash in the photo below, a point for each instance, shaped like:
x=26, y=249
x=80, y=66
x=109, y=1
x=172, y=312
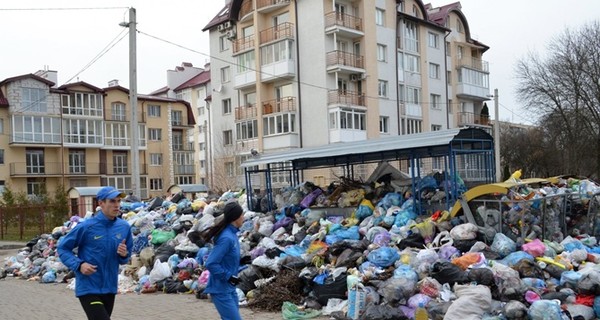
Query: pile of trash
x=378, y=259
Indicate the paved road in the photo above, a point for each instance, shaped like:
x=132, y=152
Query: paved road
x=21, y=299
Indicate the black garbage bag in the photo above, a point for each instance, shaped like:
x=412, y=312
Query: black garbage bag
x=554, y=271
x=293, y=263
x=155, y=203
x=348, y=258
x=173, y=286
x=482, y=276
x=330, y=289
x=273, y=252
x=247, y=278
x=177, y=197
x=446, y=272
x=382, y=312
x=589, y=283
x=464, y=245
x=414, y=240
x=529, y=269
x=164, y=252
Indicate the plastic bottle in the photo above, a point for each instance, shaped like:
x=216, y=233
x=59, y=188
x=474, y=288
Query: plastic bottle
x=421, y=313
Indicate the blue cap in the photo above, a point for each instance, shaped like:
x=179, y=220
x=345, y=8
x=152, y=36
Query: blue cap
x=108, y=193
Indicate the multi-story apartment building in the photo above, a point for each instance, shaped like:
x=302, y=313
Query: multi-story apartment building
x=292, y=74
x=79, y=135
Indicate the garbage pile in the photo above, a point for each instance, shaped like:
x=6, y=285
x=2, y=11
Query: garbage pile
x=377, y=259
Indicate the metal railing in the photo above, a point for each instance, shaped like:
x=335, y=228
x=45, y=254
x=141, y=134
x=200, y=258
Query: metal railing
x=265, y=3
x=346, y=97
x=280, y=31
x=44, y=169
x=467, y=118
x=285, y=104
x=243, y=44
x=105, y=169
x=338, y=57
x=246, y=8
x=473, y=63
x=180, y=169
x=343, y=20
x=246, y=112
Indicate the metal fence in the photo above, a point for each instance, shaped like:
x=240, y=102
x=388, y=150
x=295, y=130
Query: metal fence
x=25, y=222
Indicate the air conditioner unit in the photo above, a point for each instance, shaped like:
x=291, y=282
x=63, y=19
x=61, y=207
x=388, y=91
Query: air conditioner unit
x=230, y=34
x=354, y=77
x=221, y=27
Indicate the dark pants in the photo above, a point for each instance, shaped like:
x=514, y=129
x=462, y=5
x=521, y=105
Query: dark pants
x=98, y=306
x=227, y=304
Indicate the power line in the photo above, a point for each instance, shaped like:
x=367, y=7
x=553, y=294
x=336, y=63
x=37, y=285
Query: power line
x=62, y=9
x=518, y=114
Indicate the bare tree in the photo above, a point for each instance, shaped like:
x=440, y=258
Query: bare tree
x=223, y=154
x=563, y=89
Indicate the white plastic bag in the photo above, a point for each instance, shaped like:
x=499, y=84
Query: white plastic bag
x=160, y=271
x=466, y=231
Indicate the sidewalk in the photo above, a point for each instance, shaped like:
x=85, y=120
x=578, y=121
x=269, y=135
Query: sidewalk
x=8, y=245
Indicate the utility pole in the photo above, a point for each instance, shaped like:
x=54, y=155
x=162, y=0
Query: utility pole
x=497, y=137
x=135, y=147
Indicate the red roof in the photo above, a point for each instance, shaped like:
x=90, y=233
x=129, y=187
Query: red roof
x=27, y=76
x=201, y=78
x=162, y=90
x=80, y=83
x=223, y=15
x=441, y=15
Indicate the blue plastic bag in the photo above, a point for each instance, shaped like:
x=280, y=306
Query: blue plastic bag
x=405, y=271
x=514, y=258
x=383, y=257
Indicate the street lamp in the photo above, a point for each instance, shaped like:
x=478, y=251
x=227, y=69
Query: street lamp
x=496, y=136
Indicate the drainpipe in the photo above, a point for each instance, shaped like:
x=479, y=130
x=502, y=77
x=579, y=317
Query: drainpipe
x=397, y=76
x=299, y=99
x=446, y=69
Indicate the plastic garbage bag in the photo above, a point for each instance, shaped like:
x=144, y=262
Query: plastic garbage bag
x=515, y=310
x=382, y=312
x=404, y=271
x=514, y=258
x=396, y=289
x=290, y=311
x=545, y=310
x=334, y=305
x=589, y=283
x=503, y=245
x=160, y=271
x=535, y=248
x=429, y=287
x=383, y=257
x=472, y=303
x=446, y=272
x=465, y=231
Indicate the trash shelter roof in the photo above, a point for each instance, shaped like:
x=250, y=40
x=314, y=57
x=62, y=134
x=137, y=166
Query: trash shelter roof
x=434, y=143
x=189, y=187
x=76, y=192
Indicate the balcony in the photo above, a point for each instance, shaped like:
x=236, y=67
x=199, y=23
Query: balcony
x=106, y=169
x=347, y=98
x=282, y=69
x=285, y=104
x=246, y=10
x=470, y=91
x=473, y=63
x=249, y=111
x=470, y=118
x=340, y=61
x=243, y=44
x=278, y=32
x=46, y=169
x=244, y=80
x=184, y=169
x=411, y=110
x=126, y=117
x=266, y=6
x=180, y=122
x=344, y=25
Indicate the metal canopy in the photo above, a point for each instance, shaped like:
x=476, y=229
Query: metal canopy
x=434, y=143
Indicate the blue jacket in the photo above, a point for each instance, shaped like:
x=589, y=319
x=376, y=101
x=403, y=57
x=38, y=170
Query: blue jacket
x=97, y=240
x=223, y=261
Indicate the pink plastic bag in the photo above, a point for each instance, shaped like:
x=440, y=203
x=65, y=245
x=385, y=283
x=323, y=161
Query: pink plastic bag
x=535, y=248
x=203, y=280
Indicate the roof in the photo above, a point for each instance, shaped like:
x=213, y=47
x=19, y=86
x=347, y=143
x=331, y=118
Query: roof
x=193, y=187
x=440, y=16
x=436, y=142
x=223, y=15
x=201, y=78
x=80, y=83
x=162, y=90
x=27, y=76
x=3, y=100
x=76, y=192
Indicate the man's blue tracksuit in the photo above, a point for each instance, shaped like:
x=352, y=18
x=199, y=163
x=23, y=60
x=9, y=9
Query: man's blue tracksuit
x=96, y=240
x=222, y=263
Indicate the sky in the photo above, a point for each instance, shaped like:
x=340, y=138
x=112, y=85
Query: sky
x=84, y=45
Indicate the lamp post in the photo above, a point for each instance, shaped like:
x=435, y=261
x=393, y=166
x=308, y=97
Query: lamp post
x=135, y=148
x=497, y=137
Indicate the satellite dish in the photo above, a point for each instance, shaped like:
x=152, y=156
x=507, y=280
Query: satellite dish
x=254, y=152
x=218, y=88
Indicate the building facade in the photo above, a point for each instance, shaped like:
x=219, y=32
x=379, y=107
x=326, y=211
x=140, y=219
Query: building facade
x=79, y=135
x=292, y=74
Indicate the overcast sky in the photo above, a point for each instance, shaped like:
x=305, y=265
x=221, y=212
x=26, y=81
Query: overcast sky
x=68, y=40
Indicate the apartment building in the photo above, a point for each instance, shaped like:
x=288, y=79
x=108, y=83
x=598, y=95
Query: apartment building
x=293, y=74
x=79, y=135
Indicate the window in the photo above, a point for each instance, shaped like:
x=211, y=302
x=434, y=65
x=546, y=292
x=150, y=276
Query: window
x=34, y=186
x=449, y=105
x=229, y=169
x=156, y=159
x=156, y=184
x=76, y=161
x=448, y=49
x=401, y=93
x=33, y=100
x=413, y=95
x=226, y=103
x=184, y=180
x=473, y=77
x=433, y=40
x=379, y=17
x=434, y=71
x=381, y=52
x=276, y=52
x=223, y=43
x=86, y=104
x=177, y=140
x=30, y=129
x=415, y=11
x=277, y=124
x=245, y=62
x=117, y=134
x=384, y=124
x=201, y=111
x=83, y=131
x=1, y=126
x=246, y=129
x=414, y=126
x=411, y=36
x=34, y=161
x=227, y=137
x=348, y=119
x=118, y=111
x=382, y=88
x=155, y=134
x=176, y=118
x=459, y=26
x=153, y=111
x=202, y=146
x=412, y=63
x=435, y=101
x=436, y=127
x=120, y=162
x=459, y=52
x=1, y=156
x=449, y=77
x=225, y=75
x=202, y=164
